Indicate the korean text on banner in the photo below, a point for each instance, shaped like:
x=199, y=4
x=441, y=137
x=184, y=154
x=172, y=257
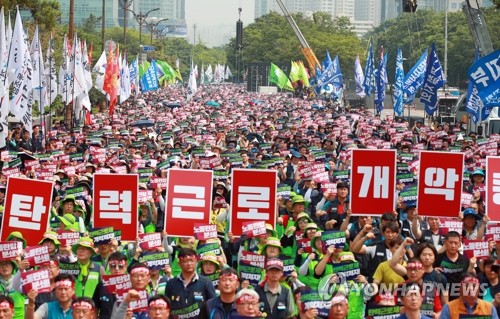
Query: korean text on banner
x=373, y=181
x=27, y=208
x=189, y=200
x=440, y=184
x=493, y=187
x=115, y=200
x=253, y=198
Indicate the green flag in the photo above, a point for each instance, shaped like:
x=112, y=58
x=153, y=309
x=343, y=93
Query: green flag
x=303, y=75
x=168, y=72
x=278, y=77
x=294, y=72
x=143, y=68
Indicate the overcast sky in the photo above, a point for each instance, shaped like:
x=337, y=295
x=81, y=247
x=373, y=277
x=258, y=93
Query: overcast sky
x=216, y=19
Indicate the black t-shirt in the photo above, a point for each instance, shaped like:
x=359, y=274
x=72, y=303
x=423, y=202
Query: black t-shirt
x=452, y=270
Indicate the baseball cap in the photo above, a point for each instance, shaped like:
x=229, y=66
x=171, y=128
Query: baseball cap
x=274, y=263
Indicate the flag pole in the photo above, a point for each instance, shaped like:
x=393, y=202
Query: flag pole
x=50, y=84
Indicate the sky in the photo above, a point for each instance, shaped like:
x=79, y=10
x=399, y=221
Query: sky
x=216, y=19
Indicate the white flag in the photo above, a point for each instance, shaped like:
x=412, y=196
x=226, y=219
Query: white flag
x=65, y=75
x=4, y=98
x=50, y=72
x=209, y=73
x=100, y=69
x=228, y=73
x=86, y=66
x=359, y=78
x=202, y=75
x=124, y=81
x=79, y=81
x=39, y=81
x=192, y=87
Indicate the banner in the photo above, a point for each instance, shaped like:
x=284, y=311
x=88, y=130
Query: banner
x=27, y=208
x=101, y=235
x=155, y=260
x=115, y=203
x=150, y=241
x=476, y=248
x=149, y=81
x=254, y=229
x=434, y=79
x=484, y=74
x=204, y=232
x=37, y=255
x=9, y=250
x=493, y=187
x=334, y=238
x=373, y=184
x=36, y=279
x=415, y=78
x=440, y=183
x=253, y=198
x=331, y=75
x=313, y=299
x=381, y=82
x=369, y=83
x=67, y=237
x=189, y=201
x=473, y=104
x=359, y=78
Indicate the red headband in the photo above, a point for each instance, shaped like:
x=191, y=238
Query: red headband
x=82, y=304
x=470, y=280
x=246, y=298
x=415, y=265
x=160, y=303
x=64, y=284
x=229, y=275
x=189, y=257
x=139, y=270
x=6, y=305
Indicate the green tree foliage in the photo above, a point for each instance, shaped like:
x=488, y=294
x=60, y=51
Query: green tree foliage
x=414, y=32
x=271, y=39
x=46, y=13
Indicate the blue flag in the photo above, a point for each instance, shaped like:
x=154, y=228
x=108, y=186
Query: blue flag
x=381, y=82
x=326, y=61
x=415, y=78
x=369, y=76
x=398, y=84
x=473, y=104
x=149, y=81
x=434, y=79
x=332, y=75
x=485, y=75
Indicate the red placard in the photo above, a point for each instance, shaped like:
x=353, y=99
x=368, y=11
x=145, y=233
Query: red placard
x=204, y=232
x=67, y=237
x=36, y=279
x=253, y=198
x=27, y=208
x=115, y=200
x=141, y=304
x=189, y=199
x=476, y=248
x=10, y=249
x=373, y=180
x=440, y=184
x=117, y=284
x=150, y=241
x=254, y=229
x=493, y=187
x=37, y=255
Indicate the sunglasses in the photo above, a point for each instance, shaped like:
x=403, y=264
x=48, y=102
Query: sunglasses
x=116, y=266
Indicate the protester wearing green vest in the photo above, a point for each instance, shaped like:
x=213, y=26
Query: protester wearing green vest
x=87, y=282
x=7, y=268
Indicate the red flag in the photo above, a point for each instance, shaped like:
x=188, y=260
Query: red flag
x=91, y=51
x=111, y=79
x=88, y=119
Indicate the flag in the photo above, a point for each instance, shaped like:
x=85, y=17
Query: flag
x=65, y=76
x=415, y=78
x=359, y=78
x=4, y=96
x=228, y=73
x=331, y=75
x=149, y=81
x=326, y=61
x=474, y=103
x=111, y=75
x=86, y=62
x=125, y=90
x=278, y=77
x=294, y=72
x=381, y=81
x=134, y=76
x=50, y=72
x=202, y=75
x=209, y=74
x=79, y=81
x=398, y=84
x=100, y=70
x=192, y=87
x=303, y=74
x=485, y=75
x=20, y=62
x=433, y=80
x=169, y=73
x=195, y=71
x=369, y=83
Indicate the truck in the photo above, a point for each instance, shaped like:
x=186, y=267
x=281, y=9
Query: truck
x=483, y=128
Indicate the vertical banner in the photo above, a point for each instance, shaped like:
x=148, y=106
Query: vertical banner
x=27, y=208
x=115, y=203
x=189, y=201
x=253, y=198
x=493, y=187
x=440, y=184
x=373, y=178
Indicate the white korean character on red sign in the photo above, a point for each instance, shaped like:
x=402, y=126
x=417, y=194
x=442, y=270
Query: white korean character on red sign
x=439, y=181
x=26, y=211
x=496, y=188
x=380, y=177
x=116, y=202
x=253, y=198
x=198, y=201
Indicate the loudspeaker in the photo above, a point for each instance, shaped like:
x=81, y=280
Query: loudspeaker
x=258, y=75
x=239, y=34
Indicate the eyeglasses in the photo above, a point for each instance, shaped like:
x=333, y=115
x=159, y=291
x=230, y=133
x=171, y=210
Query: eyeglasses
x=302, y=221
x=116, y=266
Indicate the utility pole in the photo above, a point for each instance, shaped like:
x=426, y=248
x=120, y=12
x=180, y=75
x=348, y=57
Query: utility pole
x=125, y=5
x=103, y=23
x=71, y=19
x=153, y=26
x=141, y=19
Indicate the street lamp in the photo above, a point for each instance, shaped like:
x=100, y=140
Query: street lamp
x=153, y=26
x=141, y=18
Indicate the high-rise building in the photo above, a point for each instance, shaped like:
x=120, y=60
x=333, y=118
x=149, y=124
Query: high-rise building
x=83, y=10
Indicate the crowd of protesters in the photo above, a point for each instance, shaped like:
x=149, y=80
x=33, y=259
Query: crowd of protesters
x=408, y=264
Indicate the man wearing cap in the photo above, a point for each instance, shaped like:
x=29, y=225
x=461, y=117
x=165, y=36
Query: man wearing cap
x=222, y=306
x=64, y=291
x=83, y=308
x=6, y=307
x=89, y=279
x=276, y=300
x=473, y=227
x=468, y=302
x=188, y=290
